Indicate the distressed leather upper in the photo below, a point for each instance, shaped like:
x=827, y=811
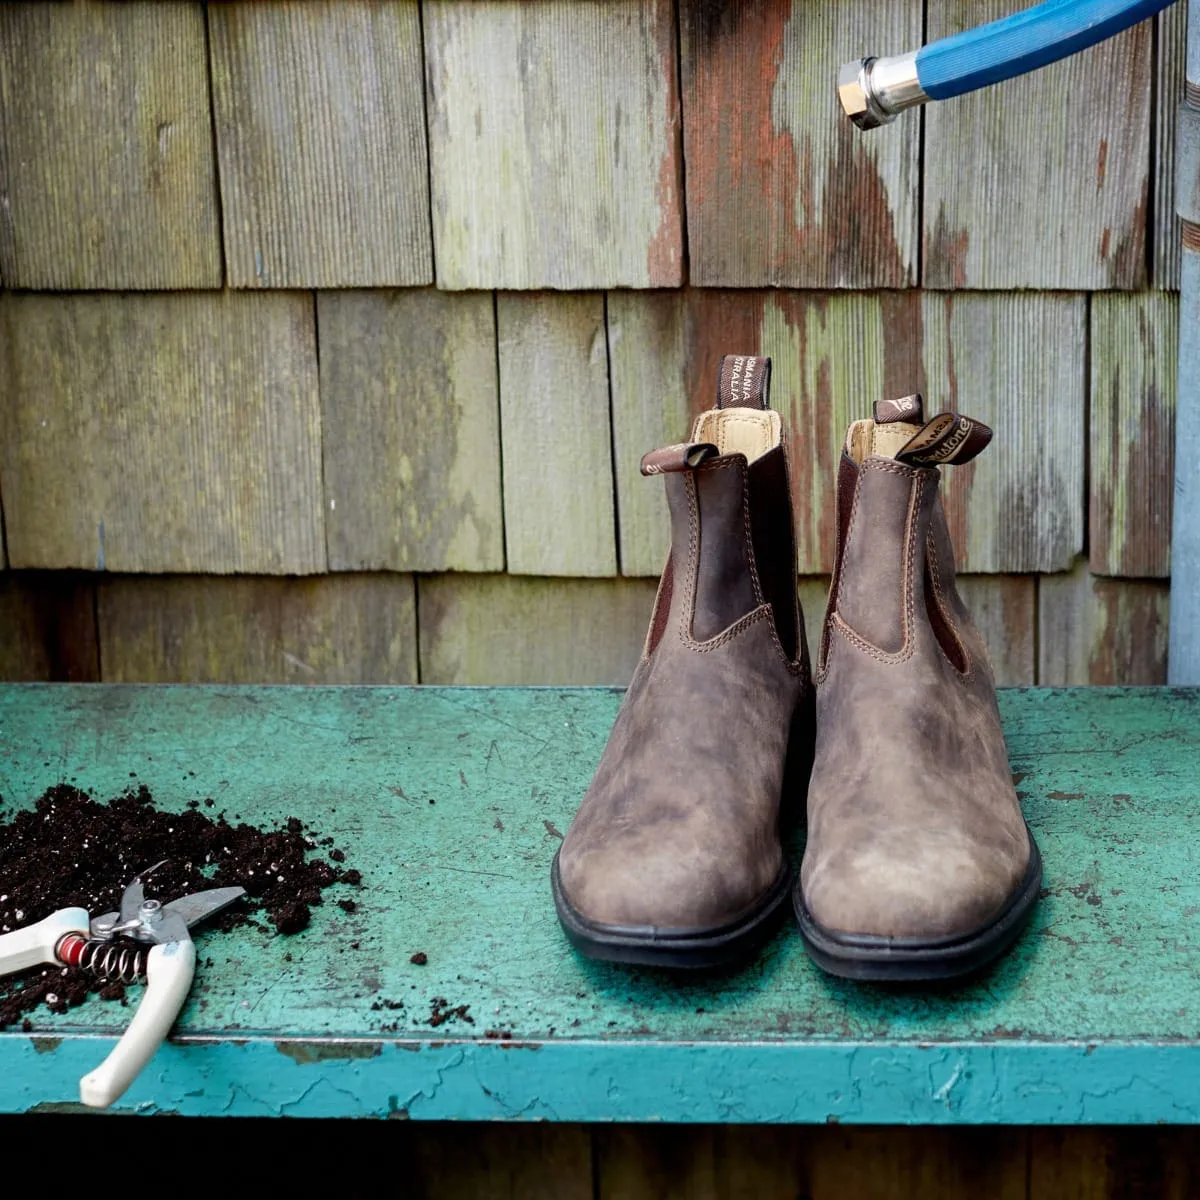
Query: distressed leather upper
x=914, y=828
x=680, y=828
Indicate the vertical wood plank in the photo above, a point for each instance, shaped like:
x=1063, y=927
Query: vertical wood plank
x=48, y=627
x=739, y=1162
x=106, y=155
x=813, y=594
x=1170, y=76
x=1101, y=631
x=557, y=446
x=781, y=188
x=1113, y=1164
x=1040, y=182
x=410, y=431
x=554, y=144
x=161, y=433
x=1005, y=610
x=321, y=136
x=834, y=355
x=494, y=1161
x=1134, y=362
x=247, y=629
x=1017, y=362
x=505, y=629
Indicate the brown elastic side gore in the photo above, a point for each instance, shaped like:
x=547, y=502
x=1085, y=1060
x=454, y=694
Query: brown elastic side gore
x=946, y=636
x=847, y=484
x=878, y=554
x=775, y=545
x=720, y=546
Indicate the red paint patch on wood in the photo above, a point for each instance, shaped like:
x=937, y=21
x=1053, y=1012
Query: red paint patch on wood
x=748, y=181
x=665, y=255
x=946, y=254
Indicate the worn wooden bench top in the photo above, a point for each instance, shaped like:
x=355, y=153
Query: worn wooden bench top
x=451, y=803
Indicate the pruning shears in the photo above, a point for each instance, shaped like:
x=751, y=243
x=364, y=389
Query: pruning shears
x=114, y=947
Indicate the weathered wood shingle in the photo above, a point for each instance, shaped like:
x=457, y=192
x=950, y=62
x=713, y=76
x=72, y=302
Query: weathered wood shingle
x=48, y=627
x=1004, y=608
x=504, y=629
x=411, y=431
x=1134, y=349
x=555, y=431
x=320, y=126
x=1170, y=75
x=554, y=144
x=202, y=629
x=1041, y=181
x=1101, y=631
x=1016, y=361
x=106, y=161
x=172, y=432
x=781, y=188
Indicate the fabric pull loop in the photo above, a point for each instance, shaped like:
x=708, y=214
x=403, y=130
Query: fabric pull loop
x=744, y=381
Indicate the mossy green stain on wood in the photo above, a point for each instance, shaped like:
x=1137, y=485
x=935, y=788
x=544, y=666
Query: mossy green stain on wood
x=1092, y=1017
x=106, y=156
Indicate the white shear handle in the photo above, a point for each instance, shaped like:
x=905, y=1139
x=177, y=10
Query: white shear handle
x=36, y=944
x=169, y=971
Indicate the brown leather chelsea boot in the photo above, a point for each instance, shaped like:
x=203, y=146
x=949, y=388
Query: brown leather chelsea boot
x=919, y=864
x=675, y=857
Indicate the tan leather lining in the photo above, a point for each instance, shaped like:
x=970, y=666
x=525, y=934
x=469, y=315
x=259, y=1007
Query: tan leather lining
x=748, y=431
x=865, y=439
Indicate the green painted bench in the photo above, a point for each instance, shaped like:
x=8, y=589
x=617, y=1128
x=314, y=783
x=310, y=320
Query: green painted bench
x=451, y=803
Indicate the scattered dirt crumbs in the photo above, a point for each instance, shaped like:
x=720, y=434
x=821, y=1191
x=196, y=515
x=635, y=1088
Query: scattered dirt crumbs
x=420, y=958
x=441, y=1011
x=70, y=850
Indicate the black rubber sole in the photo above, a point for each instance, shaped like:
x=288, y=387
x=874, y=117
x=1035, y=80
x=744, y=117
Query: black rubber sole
x=689, y=949
x=910, y=960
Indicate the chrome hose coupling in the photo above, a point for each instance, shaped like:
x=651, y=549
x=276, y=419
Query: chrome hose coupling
x=873, y=91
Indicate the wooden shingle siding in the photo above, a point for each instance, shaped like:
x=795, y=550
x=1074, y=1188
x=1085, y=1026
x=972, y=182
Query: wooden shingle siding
x=1135, y=344
x=1004, y=608
x=48, y=627
x=782, y=189
x=320, y=124
x=410, y=431
x=161, y=433
x=1169, y=84
x=554, y=144
x=1101, y=631
x=332, y=629
x=555, y=434
x=505, y=629
x=834, y=355
x=494, y=1161
x=1016, y=361
x=683, y=1162
x=1042, y=181
x=106, y=160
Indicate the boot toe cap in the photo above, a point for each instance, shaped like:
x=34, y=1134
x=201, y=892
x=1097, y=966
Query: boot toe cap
x=622, y=888
x=889, y=890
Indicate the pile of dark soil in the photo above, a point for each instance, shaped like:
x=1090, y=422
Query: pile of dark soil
x=70, y=850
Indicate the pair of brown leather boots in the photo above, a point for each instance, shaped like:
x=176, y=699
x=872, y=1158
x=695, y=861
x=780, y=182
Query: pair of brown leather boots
x=918, y=863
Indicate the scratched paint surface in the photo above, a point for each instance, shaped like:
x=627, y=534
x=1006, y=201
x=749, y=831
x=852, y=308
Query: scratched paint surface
x=451, y=801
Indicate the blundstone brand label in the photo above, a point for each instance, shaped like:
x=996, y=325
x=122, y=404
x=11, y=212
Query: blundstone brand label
x=948, y=438
x=684, y=457
x=907, y=408
x=744, y=382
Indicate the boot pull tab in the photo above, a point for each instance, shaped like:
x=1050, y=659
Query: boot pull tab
x=948, y=438
x=744, y=381
x=686, y=456
x=909, y=409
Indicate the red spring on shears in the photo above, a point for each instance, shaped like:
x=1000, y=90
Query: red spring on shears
x=110, y=961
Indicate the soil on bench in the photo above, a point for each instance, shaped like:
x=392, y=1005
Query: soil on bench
x=70, y=851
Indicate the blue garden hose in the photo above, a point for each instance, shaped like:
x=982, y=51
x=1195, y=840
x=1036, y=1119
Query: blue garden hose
x=874, y=90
